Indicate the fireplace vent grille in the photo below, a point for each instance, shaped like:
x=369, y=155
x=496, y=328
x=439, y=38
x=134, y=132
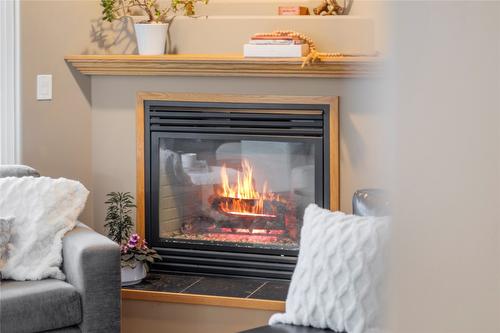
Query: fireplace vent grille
x=227, y=263
x=276, y=122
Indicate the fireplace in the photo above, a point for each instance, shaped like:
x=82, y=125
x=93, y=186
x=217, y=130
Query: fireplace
x=223, y=181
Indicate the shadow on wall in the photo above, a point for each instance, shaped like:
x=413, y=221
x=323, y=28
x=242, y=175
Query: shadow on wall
x=106, y=38
x=83, y=83
x=117, y=37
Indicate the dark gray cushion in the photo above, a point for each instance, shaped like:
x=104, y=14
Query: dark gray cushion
x=282, y=328
x=15, y=170
x=33, y=306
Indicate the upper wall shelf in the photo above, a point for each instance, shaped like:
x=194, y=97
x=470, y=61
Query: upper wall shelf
x=221, y=65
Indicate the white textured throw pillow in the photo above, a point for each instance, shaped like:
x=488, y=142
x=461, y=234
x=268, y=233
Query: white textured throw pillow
x=44, y=209
x=338, y=275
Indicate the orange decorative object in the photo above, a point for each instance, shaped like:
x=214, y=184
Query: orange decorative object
x=293, y=10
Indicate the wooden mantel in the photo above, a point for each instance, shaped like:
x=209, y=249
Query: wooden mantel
x=221, y=65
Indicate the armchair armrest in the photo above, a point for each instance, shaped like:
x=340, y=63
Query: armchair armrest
x=91, y=263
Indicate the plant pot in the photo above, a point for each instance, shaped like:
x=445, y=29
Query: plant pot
x=151, y=38
x=134, y=275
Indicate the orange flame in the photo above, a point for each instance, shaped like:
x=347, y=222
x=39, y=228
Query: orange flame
x=244, y=198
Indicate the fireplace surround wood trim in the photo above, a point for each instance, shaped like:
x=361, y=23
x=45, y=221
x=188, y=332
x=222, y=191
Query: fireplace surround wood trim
x=224, y=98
x=222, y=65
x=168, y=297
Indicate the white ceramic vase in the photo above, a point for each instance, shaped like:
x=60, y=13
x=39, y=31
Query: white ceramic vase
x=134, y=275
x=151, y=38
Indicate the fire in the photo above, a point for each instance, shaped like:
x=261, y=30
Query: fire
x=242, y=198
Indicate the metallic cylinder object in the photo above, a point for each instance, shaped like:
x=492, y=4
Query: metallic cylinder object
x=370, y=202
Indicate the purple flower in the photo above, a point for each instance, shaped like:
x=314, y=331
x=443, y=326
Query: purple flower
x=133, y=240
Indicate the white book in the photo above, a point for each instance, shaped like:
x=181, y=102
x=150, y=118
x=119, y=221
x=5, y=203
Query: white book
x=273, y=42
x=275, y=51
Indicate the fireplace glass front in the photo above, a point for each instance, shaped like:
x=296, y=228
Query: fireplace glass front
x=234, y=190
x=226, y=183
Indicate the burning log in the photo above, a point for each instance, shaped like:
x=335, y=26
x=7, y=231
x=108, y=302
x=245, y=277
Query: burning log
x=269, y=208
x=272, y=216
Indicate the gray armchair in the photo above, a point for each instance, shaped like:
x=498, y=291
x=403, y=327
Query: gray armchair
x=89, y=299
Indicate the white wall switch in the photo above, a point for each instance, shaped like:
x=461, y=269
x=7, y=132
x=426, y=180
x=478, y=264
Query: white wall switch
x=44, y=87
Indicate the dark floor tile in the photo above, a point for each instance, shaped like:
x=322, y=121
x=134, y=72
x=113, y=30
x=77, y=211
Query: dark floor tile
x=272, y=290
x=229, y=287
x=165, y=282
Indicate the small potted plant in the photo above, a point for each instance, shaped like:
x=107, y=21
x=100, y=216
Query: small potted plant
x=135, y=253
x=151, y=33
x=135, y=256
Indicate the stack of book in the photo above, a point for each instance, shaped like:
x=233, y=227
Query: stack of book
x=275, y=47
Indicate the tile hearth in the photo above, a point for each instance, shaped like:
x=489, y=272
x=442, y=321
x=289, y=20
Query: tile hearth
x=214, y=286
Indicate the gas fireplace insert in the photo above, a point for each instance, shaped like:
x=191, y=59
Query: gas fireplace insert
x=224, y=181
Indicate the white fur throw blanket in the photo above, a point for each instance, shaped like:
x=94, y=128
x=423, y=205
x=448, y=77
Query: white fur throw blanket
x=44, y=210
x=339, y=271
x=5, y=226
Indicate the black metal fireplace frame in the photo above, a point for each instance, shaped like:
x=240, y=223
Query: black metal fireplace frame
x=200, y=257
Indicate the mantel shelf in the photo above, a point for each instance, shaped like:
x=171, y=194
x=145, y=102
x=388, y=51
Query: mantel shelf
x=222, y=65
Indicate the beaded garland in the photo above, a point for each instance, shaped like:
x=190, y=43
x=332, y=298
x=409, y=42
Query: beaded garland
x=313, y=54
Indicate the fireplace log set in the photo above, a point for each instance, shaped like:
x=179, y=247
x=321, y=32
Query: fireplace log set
x=273, y=219
x=278, y=219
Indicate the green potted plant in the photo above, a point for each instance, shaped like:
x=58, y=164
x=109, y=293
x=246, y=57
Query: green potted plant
x=135, y=252
x=151, y=33
x=135, y=257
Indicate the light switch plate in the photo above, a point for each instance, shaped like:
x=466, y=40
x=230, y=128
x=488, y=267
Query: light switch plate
x=44, y=87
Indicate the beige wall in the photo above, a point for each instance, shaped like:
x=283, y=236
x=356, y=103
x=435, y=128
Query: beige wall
x=446, y=243
x=113, y=167
x=113, y=126
x=90, y=136
x=55, y=135
x=87, y=131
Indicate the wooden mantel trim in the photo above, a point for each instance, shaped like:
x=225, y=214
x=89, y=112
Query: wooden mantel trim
x=233, y=302
x=222, y=65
